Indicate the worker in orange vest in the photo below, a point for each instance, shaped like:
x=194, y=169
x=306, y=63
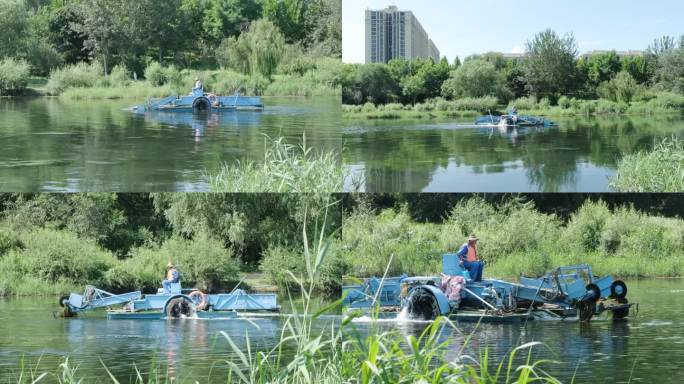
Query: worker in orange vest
x=469, y=260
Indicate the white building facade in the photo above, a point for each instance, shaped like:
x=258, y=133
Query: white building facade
x=392, y=34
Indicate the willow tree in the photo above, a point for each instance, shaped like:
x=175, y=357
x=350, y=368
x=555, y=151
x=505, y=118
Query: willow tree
x=259, y=50
x=267, y=47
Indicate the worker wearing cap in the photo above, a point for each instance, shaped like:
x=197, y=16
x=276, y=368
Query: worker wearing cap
x=172, y=277
x=468, y=258
x=199, y=87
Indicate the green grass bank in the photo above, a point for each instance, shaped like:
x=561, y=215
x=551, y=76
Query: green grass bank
x=439, y=108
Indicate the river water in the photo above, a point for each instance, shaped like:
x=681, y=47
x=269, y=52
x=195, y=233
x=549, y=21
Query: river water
x=648, y=347
x=48, y=144
x=578, y=155
x=187, y=350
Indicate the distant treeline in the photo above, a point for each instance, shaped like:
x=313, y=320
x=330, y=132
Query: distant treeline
x=551, y=71
x=435, y=207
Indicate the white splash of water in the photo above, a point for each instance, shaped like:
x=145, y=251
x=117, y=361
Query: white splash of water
x=401, y=317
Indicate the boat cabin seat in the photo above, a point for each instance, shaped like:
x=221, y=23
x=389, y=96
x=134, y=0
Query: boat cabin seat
x=452, y=267
x=175, y=289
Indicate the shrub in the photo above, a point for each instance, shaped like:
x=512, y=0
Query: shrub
x=257, y=84
x=203, y=262
x=278, y=260
x=155, y=74
x=480, y=104
x=525, y=103
x=368, y=107
x=8, y=241
x=564, y=102
x=230, y=82
x=14, y=75
x=43, y=57
x=120, y=76
x=52, y=256
x=586, y=225
x=173, y=76
x=669, y=100
x=622, y=88
x=74, y=76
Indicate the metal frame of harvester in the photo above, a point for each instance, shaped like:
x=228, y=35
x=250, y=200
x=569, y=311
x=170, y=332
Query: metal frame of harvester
x=179, y=303
x=570, y=292
x=200, y=101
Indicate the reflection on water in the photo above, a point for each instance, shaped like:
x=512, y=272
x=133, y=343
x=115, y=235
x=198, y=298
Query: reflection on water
x=579, y=155
x=47, y=144
x=206, y=124
x=188, y=349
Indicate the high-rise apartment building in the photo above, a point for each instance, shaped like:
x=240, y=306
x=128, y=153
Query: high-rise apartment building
x=392, y=34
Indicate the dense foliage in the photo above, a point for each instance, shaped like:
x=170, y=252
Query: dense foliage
x=52, y=243
x=14, y=76
x=185, y=32
x=516, y=238
x=130, y=39
x=550, y=70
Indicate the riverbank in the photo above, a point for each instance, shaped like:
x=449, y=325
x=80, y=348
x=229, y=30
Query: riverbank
x=516, y=239
x=88, y=82
x=660, y=103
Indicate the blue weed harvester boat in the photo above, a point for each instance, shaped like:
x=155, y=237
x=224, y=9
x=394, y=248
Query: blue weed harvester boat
x=512, y=119
x=179, y=303
x=571, y=292
x=200, y=101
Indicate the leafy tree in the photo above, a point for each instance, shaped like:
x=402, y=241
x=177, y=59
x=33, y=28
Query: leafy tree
x=550, y=64
x=13, y=27
x=326, y=35
x=289, y=16
x=661, y=45
x=104, y=26
x=413, y=87
x=603, y=67
x=399, y=69
x=515, y=79
x=670, y=72
x=61, y=35
x=642, y=68
x=370, y=83
x=622, y=88
x=157, y=24
x=224, y=18
x=475, y=78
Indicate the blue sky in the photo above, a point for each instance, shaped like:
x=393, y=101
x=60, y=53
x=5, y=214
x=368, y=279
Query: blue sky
x=463, y=27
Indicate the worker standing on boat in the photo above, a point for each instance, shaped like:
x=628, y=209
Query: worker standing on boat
x=468, y=257
x=172, y=277
x=514, y=115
